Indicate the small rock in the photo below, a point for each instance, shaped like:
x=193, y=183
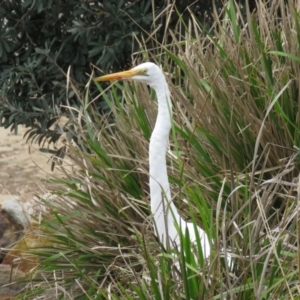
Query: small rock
x=13, y=222
x=7, y=197
x=10, y=233
x=19, y=256
x=17, y=211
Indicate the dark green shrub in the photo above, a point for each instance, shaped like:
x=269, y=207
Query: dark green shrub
x=40, y=40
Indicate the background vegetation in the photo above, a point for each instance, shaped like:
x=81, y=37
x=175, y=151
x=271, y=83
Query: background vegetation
x=233, y=164
x=40, y=40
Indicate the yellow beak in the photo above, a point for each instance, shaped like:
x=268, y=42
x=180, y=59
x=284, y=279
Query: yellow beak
x=118, y=76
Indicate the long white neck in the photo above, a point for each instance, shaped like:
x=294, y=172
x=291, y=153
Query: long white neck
x=162, y=207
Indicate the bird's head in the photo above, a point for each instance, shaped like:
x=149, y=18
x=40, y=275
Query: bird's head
x=147, y=72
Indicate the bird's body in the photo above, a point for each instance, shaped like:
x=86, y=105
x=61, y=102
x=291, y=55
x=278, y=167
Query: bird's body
x=164, y=212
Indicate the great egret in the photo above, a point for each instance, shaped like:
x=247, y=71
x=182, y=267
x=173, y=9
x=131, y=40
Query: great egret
x=163, y=209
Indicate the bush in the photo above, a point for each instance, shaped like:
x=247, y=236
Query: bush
x=41, y=40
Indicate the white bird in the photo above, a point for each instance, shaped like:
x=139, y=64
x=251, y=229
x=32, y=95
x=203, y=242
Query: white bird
x=163, y=209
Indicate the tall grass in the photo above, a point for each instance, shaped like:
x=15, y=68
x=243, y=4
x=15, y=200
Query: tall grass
x=233, y=166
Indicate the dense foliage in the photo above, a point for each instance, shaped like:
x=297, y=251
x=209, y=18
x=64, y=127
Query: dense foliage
x=40, y=40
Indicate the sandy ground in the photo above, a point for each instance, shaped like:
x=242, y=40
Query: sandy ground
x=22, y=166
x=22, y=170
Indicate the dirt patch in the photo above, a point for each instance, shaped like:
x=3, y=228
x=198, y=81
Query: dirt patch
x=22, y=166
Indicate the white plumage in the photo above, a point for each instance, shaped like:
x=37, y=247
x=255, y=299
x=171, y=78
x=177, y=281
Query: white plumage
x=164, y=212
